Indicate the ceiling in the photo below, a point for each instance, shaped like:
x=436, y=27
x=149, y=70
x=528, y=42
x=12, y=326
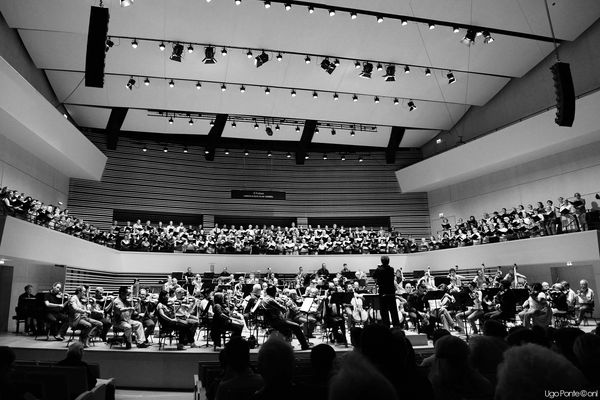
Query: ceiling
x=55, y=33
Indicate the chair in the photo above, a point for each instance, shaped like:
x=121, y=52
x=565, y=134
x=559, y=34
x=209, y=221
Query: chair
x=587, y=315
x=117, y=338
x=19, y=320
x=165, y=333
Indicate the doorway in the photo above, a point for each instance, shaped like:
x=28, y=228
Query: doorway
x=6, y=279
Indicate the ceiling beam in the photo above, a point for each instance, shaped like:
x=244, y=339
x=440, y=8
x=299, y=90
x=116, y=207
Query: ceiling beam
x=113, y=127
x=307, y=135
x=395, y=139
x=214, y=135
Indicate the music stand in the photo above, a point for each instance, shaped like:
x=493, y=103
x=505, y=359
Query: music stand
x=441, y=280
x=178, y=275
x=306, y=304
x=433, y=298
x=349, y=275
x=247, y=289
x=372, y=271
x=208, y=275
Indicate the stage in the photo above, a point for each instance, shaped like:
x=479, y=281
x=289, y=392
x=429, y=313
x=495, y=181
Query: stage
x=151, y=368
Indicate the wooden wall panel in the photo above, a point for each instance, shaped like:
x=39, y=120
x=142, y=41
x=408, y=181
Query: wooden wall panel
x=175, y=182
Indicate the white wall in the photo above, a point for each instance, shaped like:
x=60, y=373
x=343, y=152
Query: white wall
x=22, y=171
x=562, y=174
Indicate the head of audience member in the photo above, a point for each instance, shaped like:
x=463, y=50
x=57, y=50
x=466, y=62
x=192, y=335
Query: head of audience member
x=358, y=379
x=564, y=339
x=438, y=334
x=486, y=353
x=587, y=355
x=276, y=362
x=322, y=358
x=529, y=370
x=356, y=337
x=7, y=358
x=75, y=351
x=519, y=335
x=237, y=354
x=494, y=328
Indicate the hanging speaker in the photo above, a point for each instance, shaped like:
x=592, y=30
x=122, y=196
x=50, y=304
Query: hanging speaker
x=96, y=47
x=565, y=94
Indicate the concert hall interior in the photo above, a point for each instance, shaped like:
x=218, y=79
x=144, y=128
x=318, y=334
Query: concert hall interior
x=254, y=199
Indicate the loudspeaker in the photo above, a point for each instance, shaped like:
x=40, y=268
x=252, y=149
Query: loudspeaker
x=96, y=43
x=565, y=94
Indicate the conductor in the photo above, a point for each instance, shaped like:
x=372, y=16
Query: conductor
x=384, y=276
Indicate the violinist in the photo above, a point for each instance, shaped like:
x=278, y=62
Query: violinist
x=480, y=279
x=146, y=308
x=197, y=282
x=334, y=318
x=300, y=277
x=428, y=280
x=323, y=272
x=189, y=281
x=165, y=313
x=99, y=310
x=455, y=280
x=79, y=317
x=504, y=303
x=536, y=309
x=122, y=312
x=416, y=306
x=223, y=320
x=274, y=317
x=186, y=311
x=54, y=302
x=474, y=312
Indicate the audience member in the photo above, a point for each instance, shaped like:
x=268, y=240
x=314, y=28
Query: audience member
x=75, y=359
x=242, y=382
x=486, y=353
x=322, y=361
x=276, y=366
x=359, y=380
x=587, y=357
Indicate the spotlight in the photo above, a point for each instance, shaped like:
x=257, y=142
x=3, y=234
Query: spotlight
x=487, y=37
x=411, y=105
x=469, y=37
x=165, y=149
x=343, y=158
x=269, y=131
x=279, y=57
x=126, y=3
x=297, y=129
x=427, y=72
x=356, y=64
x=171, y=121
x=206, y=151
x=336, y=62
x=277, y=127
x=353, y=15
x=406, y=69
x=360, y=159
x=223, y=87
x=390, y=73
x=335, y=97
x=379, y=67
x=352, y=133
x=307, y=60
x=109, y=43
x=376, y=100
x=249, y=54
x=367, y=70
x=226, y=152
x=404, y=22
x=246, y=152
x=209, y=55
x=223, y=51
x=315, y=95
x=293, y=93
x=256, y=125
x=130, y=83
x=237, y=2
x=311, y=9
x=233, y=124
x=288, y=6
x=324, y=156
x=331, y=12
x=260, y=59
x=243, y=89
x=171, y=83
x=355, y=98
x=379, y=19
x=198, y=85
x=211, y=123
x=185, y=149
x=451, y=78
x=269, y=154
x=396, y=101
x=306, y=157
x=333, y=132
x=267, y=90
x=267, y=4
x=288, y=155
x=317, y=130
x=438, y=141
x=190, y=48
x=431, y=26
x=455, y=29
x=191, y=121
x=328, y=66
x=177, y=51
x=147, y=82
x=134, y=44
x=145, y=149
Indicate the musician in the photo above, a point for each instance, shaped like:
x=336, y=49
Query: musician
x=300, y=277
x=585, y=300
x=146, y=309
x=427, y=280
x=360, y=275
x=345, y=268
x=223, y=320
x=384, y=276
x=101, y=307
x=270, y=276
x=323, y=272
x=250, y=302
x=416, y=306
x=504, y=303
x=197, y=283
x=122, y=311
x=79, y=317
x=165, y=313
x=455, y=280
x=480, y=279
x=26, y=308
x=439, y=309
x=188, y=276
x=571, y=295
x=558, y=299
x=474, y=312
x=536, y=309
x=334, y=318
x=515, y=279
x=274, y=317
x=55, y=311
x=186, y=311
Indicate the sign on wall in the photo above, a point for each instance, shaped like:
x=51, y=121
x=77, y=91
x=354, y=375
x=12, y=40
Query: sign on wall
x=257, y=194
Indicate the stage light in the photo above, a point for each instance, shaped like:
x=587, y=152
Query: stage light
x=403, y=22
x=379, y=19
x=249, y=54
x=147, y=82
x=126, y=3
x=360, y=159
x=226, y=152
x=165, y=149
x=355, y=98
x=357, y=64
x=293, y=93
x=366, y=71
x=455, y=29
x=130, y=83
x=315, y=95
x=317, y=130
x=246, y=152
x=379, y=67
x=333, y=132
x=406, y=69
x=191, y=121
x=328, y=66
x=223, y=87
x=307, y=60
x=212, y=123
x=390, y=73
x=206, y=151
x=396, y=101
x=267, y=4
x=209, y=55
x=233, y=124
x=267, y=90
x=324, y=156
x=288, y=6
x=277, y=128
x=343, y=158
x=411, y=105
x=171, y=121
x=469, y=37
x=353, y=15
x=335, y=97
x=171, y=83
x=185, y=149
x=438, y=141
x=352, y=133
x=144, y=149
x=376, y=100
x=134, y=44
x=427, y=72
x=198, y=85
x=331, y=12
x=288, y=155
x=431, y=26
x=256, y=125
x=279, y=57
x=243, y=89
x=336, y=62
x=306, y=157
x=297, y=129
x=237, y=2
x=190, y=48
x=451, y=78
x=311, y=9
x=269, y=154
x=269, y=131
x=177, y=51
x=260, y=59
x=109, y=44
x=487, y=37
x=223, y=51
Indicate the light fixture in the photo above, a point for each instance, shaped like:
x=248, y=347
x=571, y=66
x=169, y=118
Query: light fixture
x=212, y=123
x=233, y=124
x=411, y=105
x=317, y=130
x=307, y=60
x=431, y=26
x=134, y=44
x=209, y=55
x=315, y=95
x=267, y=90
x=403, y=22
x=297, y=129
x=65, y=115
x=427, y=72
x=171, y=83
x=277, y=127
x=396, y=101
x=243, y=89
x=226, y=152
x=260, y=59
x=269, y=131
x=487, y=37
x=147, y=82
x=126, y=3
x=438, y=141
x=331, y=12
x=198, y=85
x=144, y=149
x=324, y=156
x=191, y=121
x=355, y=98
x=256, y=125
x=379, y=19
x=223, y=51
x=357, y=64
x=376, y=100
x=288, y=155
x=406, y=69
x=130, y=83
x=190, y=48
x=223, y=87
x=336, y=62
x=206, y=151
x=328, y=66
x=451, y=78
x=177, y=51
x=165, y=149
x=343, y=158
x=379, y=67
x=366, y=71
x=269, y=154
x=293, y=93
x=171, y=120
x=353, y=15
x=333, y=132
x=185, y=149
x=390, y=73
x=249, y=54
x=360, y=159
x=288, y=6
x=109, y=44
x=279, y=57
x=469, y=37
x=306, y=157
x=311, y=9
x=267, y=4
x=352, y=133
x=335, y=97
x=237, y=2
x=246, y=152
